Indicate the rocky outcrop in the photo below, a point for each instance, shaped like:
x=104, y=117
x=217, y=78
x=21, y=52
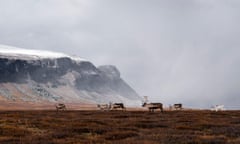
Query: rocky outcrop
x=61, y=79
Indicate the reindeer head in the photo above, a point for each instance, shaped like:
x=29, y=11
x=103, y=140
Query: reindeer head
x=144, y=104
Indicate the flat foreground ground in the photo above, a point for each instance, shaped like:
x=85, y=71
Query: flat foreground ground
x=120, y=127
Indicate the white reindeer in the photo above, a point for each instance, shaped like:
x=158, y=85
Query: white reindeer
x=104, y=107
x=218, y=108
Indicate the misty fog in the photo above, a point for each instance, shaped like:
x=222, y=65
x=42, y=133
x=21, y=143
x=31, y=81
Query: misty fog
x=172, y=51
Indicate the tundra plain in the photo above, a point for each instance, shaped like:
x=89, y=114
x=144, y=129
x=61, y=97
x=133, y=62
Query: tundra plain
x=129, y=127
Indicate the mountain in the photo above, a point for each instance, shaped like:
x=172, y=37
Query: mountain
x=44, y=76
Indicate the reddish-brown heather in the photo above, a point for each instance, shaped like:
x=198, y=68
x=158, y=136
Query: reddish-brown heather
x=129, y=127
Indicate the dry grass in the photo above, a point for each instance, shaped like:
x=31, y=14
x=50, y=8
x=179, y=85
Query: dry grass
x=129, y=127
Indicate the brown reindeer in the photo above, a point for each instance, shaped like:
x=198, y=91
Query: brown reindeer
x=117, y=106
x=153, y=106
x=60, y=106
x=177, y=106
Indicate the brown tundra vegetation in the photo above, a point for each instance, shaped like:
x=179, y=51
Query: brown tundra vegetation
x=118, y=127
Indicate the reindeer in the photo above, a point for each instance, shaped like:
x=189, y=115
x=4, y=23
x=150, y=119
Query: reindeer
x=117, y=106
x=218, y=108
x=103, y=107
x=60, y=106
x=177, y=106
x=153, y=106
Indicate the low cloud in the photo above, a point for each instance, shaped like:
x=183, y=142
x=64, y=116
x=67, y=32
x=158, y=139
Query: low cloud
x=172, y=51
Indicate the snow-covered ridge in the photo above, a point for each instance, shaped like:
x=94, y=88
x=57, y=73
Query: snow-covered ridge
x=26, y=54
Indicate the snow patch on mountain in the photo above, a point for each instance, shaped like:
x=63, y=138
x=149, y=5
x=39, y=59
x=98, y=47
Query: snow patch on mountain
x=26, y=54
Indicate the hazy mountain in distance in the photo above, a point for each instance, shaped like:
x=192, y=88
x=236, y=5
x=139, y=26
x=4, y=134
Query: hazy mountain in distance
x=44, y=76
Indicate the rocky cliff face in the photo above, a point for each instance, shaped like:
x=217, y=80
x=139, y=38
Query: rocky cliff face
x=32, y=77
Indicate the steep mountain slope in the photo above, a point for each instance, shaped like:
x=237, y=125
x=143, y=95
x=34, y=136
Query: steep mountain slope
x=43, y=76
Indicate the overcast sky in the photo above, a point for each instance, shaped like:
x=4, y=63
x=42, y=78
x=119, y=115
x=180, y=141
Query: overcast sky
x=185, y=51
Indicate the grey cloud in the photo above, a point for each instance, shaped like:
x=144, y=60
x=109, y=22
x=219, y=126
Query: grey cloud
x=174, y=51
